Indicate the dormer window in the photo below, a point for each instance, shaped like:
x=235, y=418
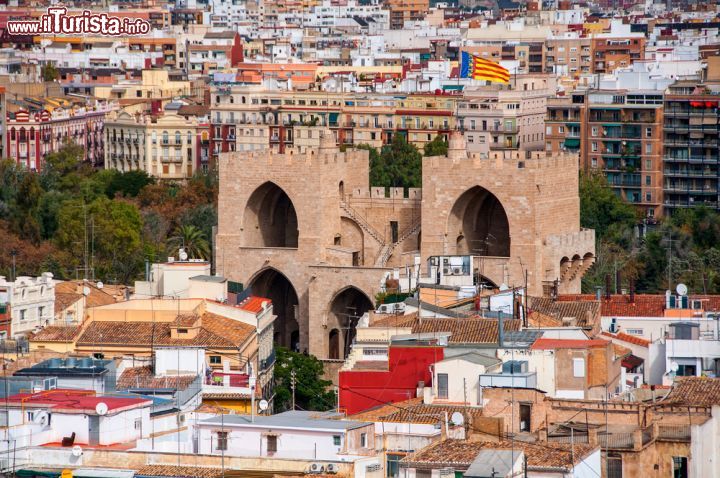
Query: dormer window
x=182, y=331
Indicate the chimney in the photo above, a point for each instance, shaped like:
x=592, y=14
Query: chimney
x=608, y=285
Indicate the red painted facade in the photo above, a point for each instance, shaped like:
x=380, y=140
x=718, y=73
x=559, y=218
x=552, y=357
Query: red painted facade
x=364, y=389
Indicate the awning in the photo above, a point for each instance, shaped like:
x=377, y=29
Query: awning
x=572, y=143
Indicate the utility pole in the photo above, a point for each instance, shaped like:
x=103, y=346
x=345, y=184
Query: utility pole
x=13, y=253
x=292, y=387
x=669, y=240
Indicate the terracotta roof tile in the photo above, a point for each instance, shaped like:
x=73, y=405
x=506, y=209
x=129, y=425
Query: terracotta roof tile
x=586, y=313
x=63, y=300
x=142, y=377
x=414, y=411
x=461, y=453
x=466, y=330
x=547, y=344
x=54, y=333
x=631, y=339
x=696, y=391
x=179, y=471
x=216, y=331
x=96, y=296
x=253, y=304
x=392, y=320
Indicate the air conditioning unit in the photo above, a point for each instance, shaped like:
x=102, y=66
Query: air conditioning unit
x=373, y=467
x=317, y=468
x=398, y=307
x=332, y=468
x=457, y=271
x=447, y=271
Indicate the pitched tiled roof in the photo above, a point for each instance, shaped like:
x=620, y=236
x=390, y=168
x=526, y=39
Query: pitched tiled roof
x=142, y=377
x=547, y=344
x=54, y=333
x=631, y=339
x=179, y=471
x=253, y=304
x=63, y=300
x=586, y=313
x=95, y=298
x=461, y=453
x=466, y=330
x=392, y=320
x=695, y=391
x=216, y=331
x=414, y=411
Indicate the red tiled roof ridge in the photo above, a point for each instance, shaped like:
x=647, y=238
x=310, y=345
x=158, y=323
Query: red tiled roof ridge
x=254, y=303
x=631, y=339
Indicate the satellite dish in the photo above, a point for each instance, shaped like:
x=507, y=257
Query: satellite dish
x=674, y=366
x=77, y=451
x=101, y=408
x=681, y=289
x=457, y=418
x=183, y=255
x=100, y=285
x=263, y=405
x=86, y=291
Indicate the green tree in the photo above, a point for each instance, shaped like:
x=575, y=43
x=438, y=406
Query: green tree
x=192, y=240
x=128, y=184
x=65, y=169
x=49, y=72
x=115, y=231
x=202, y=217
x=436, y=147
x=311, y=390
x=397, y=165
x=26, y=215
x=601, y=209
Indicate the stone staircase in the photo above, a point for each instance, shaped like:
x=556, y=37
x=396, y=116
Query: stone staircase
x=388, y=249
x=355, y=216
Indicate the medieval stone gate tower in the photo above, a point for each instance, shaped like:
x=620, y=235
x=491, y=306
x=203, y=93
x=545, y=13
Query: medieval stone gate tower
x=308, y=231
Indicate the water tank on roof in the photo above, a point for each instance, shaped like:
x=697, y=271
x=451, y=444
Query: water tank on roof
x=71, y=362
x=86, y=363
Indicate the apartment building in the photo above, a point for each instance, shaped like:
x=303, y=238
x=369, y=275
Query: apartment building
x=618, y=132
x=402, y=11
x=568, y=56
x=618, y=48
x=512, y=117
x=247, y=118
x=29, y=302
x=691, y=131
x=165, y=146
x=38, y=126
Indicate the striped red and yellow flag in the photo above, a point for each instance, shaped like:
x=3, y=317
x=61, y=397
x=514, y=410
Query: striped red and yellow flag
x=481, y=69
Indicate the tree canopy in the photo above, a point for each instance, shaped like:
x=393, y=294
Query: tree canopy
x=128, y=217
x=311, y=390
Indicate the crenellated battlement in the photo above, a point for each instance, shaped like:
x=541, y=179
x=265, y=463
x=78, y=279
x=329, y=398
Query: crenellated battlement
x=505, y=160
x=380, y=192
x=312, y=157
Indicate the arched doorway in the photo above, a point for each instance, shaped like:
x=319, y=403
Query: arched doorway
x=345, y=310
x=272, y=284
x=334, y=344
x=270, y=218
x=478, y=224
